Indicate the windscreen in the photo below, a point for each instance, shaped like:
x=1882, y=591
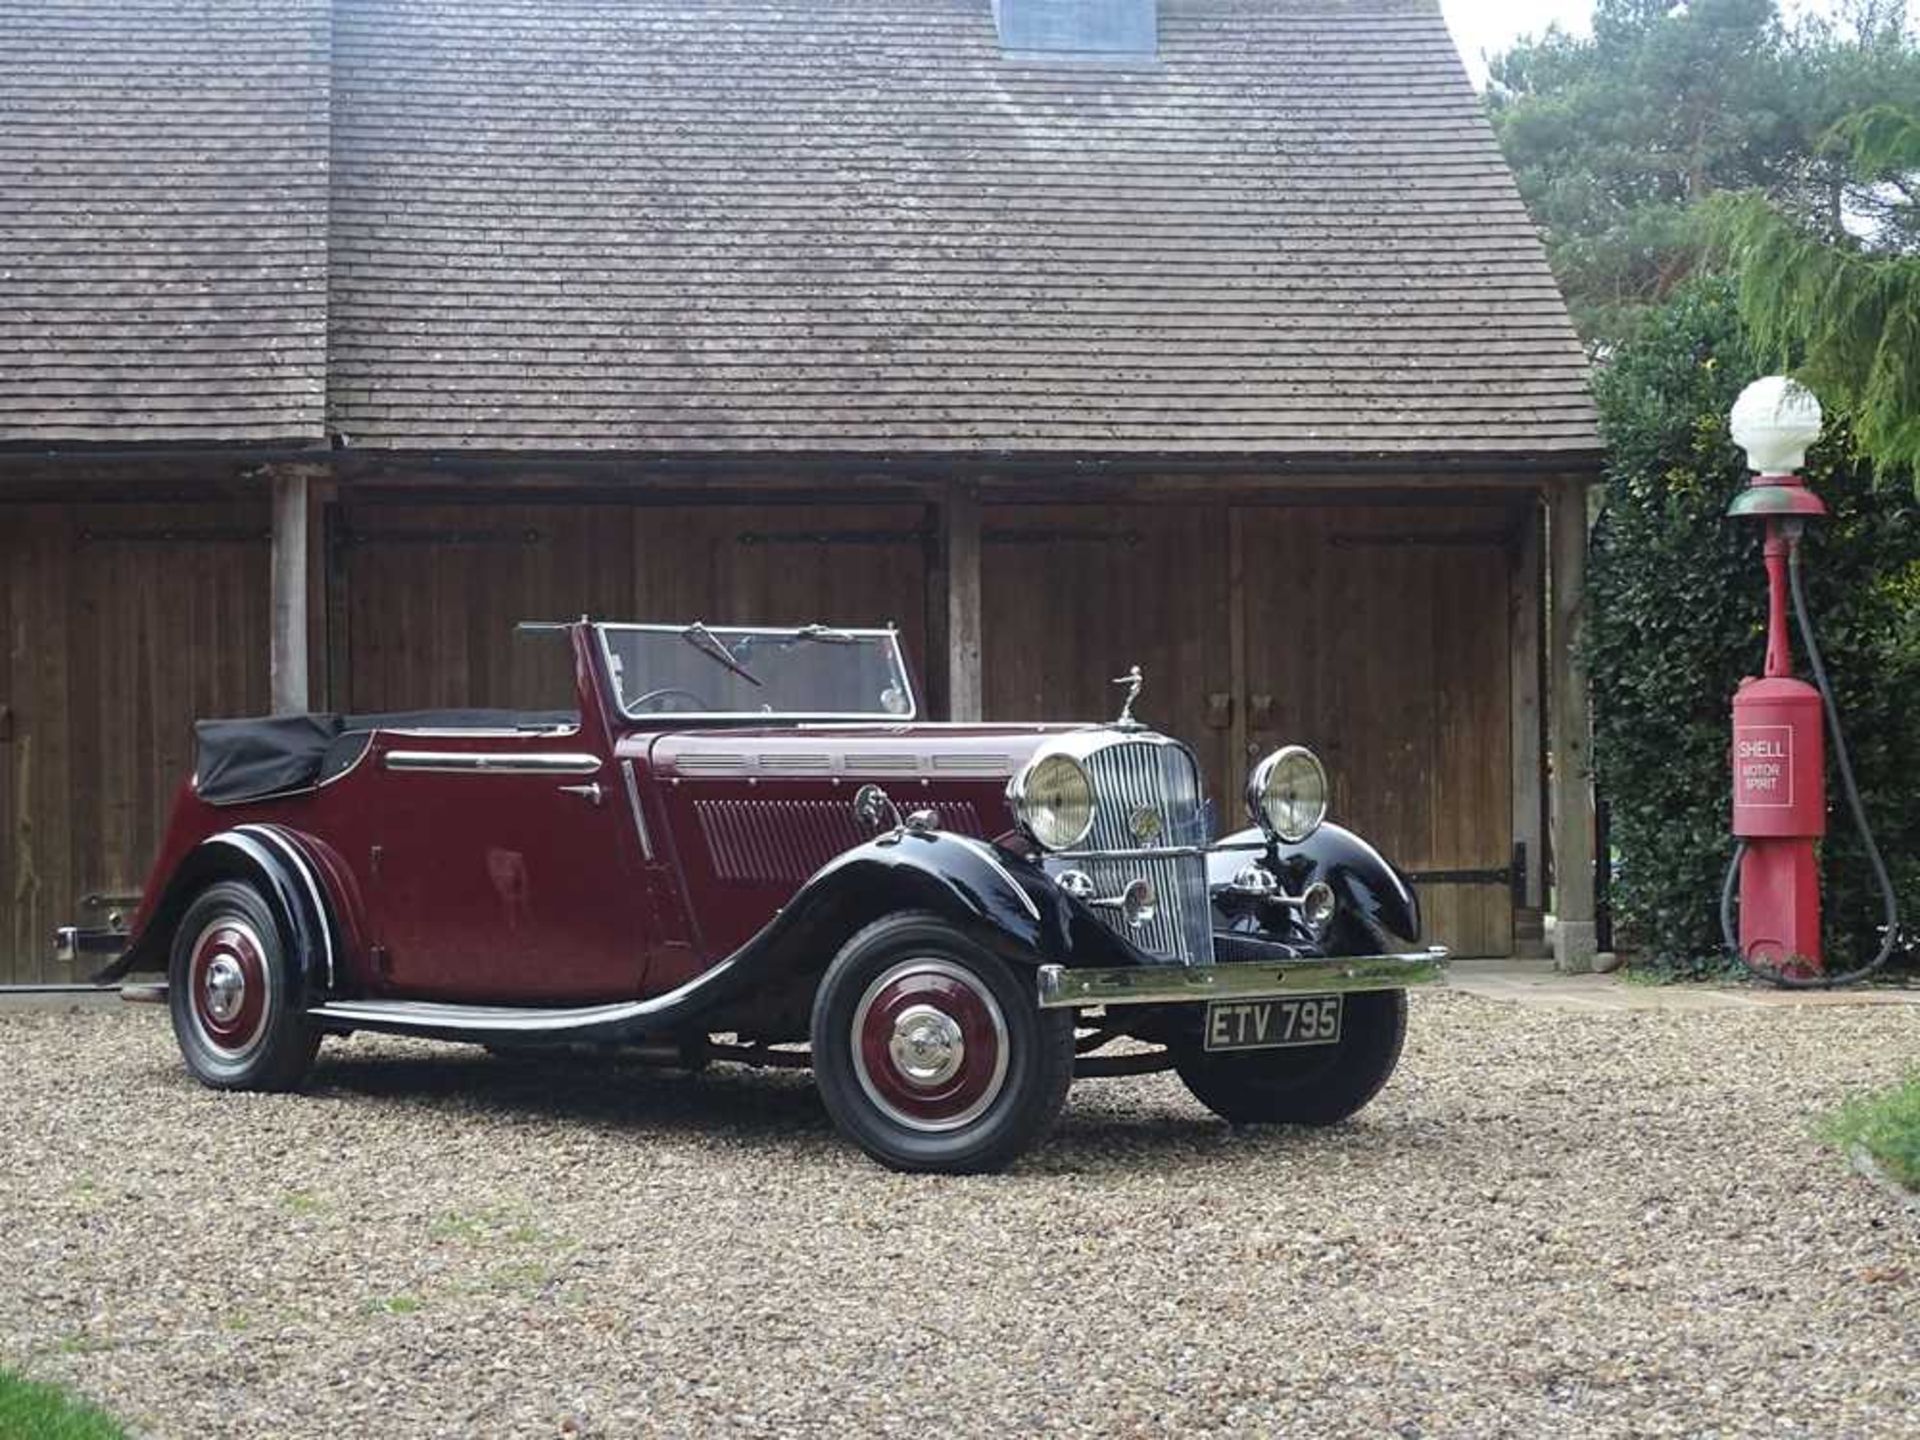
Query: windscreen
x=812, y=672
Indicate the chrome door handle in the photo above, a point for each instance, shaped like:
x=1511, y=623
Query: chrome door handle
x=590, y=792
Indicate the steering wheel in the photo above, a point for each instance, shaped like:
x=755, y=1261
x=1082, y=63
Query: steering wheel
x=665, y=691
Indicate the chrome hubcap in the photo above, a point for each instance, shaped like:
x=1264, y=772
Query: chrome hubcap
x=927, y=1045
x=226, y=989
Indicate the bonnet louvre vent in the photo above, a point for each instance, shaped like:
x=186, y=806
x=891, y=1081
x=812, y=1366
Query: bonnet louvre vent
x=1078, y=29
x=764, y=841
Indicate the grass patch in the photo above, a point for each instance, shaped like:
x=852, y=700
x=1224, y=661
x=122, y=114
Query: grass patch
x=494, y=1225
x=1887, y=1126
x=391, y=1305
x=81, y=1343
x=33, y=1410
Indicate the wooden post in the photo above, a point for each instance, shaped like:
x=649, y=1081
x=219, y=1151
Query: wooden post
x=1526, y=607
x=960, y=533
x=1574, y=938
x=287, y=655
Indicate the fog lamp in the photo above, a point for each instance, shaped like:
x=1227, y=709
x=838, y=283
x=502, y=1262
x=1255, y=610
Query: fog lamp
x=1255, y=880
x=1317, y=907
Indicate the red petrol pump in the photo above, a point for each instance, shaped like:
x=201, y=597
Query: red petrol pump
x=1779, y=750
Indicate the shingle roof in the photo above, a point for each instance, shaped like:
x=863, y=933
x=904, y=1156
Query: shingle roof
x=841, y=225
x=163, y=174
x=854, y=224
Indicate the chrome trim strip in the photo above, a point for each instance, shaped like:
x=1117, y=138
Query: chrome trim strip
x=990, y=764
x=491, y=762
x=307, y=873
x=1061, y=988
x=883, y=763
x=633, y=802
x=797, y=770
x=986, y=853
x=532, y=732
x=434, y=1015
x=1174, y=851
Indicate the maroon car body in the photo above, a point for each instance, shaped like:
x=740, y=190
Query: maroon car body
x=655, y=869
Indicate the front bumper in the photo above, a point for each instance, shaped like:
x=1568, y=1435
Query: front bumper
x=1061, y=988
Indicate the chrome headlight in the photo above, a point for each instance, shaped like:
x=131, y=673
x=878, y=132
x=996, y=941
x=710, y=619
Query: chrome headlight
x=1287, y=793
x=1052, y=800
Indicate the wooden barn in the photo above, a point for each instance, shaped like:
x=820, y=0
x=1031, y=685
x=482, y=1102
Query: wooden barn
x=1208, y=336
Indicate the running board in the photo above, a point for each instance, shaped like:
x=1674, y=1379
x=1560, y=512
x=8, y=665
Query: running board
x=482, y=1022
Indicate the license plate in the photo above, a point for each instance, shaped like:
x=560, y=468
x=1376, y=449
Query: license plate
x=1270, y=1024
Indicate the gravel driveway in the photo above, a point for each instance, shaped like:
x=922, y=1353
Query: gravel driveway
x=1549, y=1223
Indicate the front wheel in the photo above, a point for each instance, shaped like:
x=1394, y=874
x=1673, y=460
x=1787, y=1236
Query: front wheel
x=1305, y=1085
x=929, y=1052
x=234, y=995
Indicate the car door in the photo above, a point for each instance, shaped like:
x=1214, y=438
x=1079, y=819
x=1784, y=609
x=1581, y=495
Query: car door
x=503, y=870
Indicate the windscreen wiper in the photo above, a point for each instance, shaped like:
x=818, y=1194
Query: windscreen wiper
x=825, y=634
x=708, y=644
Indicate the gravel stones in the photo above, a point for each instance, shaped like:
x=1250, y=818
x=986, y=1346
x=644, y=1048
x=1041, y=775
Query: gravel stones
x=1595, y=1223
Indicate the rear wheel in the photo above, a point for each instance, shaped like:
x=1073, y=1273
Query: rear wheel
x=1304, y=1085
x=930, y=1053
x=234, y=991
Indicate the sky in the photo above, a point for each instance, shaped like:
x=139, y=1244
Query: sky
x=1481, y=27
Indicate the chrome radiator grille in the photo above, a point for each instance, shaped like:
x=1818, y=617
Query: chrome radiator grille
x=1131, y=780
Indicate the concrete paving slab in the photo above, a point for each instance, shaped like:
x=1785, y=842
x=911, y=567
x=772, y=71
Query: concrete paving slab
x=58, y=997
x=1536, y=982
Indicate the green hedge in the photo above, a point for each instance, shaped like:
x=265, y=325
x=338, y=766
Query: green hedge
x=1677, y=614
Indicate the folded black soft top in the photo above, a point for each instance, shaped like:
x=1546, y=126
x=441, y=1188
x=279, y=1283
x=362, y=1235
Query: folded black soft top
x=277, y=754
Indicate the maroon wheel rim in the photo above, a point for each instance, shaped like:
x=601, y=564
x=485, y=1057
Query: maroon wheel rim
x=930, y=1045
x=227, y=984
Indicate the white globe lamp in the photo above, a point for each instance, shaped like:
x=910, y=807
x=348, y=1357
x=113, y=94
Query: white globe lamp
x=1774, y=421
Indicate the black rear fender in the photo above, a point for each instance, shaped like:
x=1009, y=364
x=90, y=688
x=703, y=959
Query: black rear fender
x=272, y=860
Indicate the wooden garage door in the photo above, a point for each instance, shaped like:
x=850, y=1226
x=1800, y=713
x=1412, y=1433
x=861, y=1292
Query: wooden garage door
x=426, y=597
x=1074, y=596
x=1378, y=636
x=122, y=625
x=1375, y=634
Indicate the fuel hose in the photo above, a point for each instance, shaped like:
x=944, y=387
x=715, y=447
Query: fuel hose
x=1844, y=763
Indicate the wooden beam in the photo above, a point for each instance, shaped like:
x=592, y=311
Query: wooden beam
x=960, y=534
x=933, y=657
x=1568, y=726
x=322, y=496
x=287, y=644
x=1526, y=607
x=1239, y=739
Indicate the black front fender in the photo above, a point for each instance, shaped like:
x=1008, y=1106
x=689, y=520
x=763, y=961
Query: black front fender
x=1378, y=908
x=1002, y=900
x=1006, y=903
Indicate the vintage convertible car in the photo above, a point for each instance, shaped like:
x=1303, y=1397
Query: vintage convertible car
x=742, y=841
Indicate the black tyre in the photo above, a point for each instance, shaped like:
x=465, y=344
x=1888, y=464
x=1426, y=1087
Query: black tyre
x=931, y=1053
x=234, y=994
x=1305, y=1085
